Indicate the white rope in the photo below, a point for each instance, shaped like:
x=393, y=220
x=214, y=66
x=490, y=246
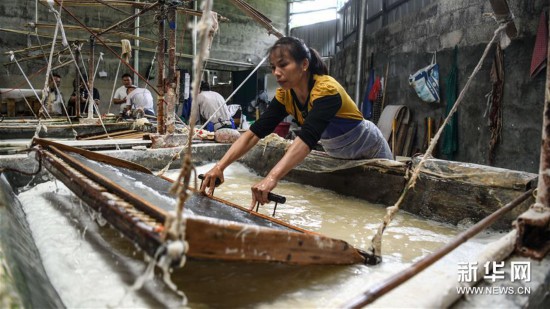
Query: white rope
x=176, y=226
x=234, y=92
x=97, y=65
x=13, y=59
x=28, y=104
x=114, y=86
x=49, y=68
x=64, y=42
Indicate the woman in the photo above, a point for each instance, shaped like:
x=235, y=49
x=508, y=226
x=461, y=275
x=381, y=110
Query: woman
x=319, y=104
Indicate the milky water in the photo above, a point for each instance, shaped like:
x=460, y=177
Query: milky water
x=92, y=266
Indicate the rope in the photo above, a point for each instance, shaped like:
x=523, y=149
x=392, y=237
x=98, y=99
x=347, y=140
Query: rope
x=97, y=65
x=114, y=86
x=28, y=104
x=376, y=242
x=14, y=59
x=182, y=182
x=65, y=43
x=18, y=86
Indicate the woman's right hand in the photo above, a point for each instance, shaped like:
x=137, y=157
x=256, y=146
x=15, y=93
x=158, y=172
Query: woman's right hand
x=210, y=179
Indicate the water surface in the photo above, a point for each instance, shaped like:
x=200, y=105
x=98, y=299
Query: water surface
x=92, y=266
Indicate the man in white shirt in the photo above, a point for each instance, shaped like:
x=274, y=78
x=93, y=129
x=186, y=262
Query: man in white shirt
x=140, y=98
x=210, y=102
x=119, y=97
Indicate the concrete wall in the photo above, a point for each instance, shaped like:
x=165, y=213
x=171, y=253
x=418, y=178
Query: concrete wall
x=407, y=46
x=239, y=41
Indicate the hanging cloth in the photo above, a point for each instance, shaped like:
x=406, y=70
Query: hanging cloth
x=495, y=108
x=450, y=135
x=375, y=90
x=367, y=104
x=377, y=103
x=538, y=60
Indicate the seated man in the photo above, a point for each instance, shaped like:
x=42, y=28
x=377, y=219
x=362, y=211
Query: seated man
x=119, y=98
x=82, y=93
x=139, y=99
x=210, y=102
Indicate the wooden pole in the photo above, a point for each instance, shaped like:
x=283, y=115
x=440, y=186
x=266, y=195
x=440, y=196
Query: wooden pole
x=160, y=70
x=106, y=46
x=543, y=187
x=385, y=87
x=393, y=138
x=77, y=84
x=374, y=293
x=144, y=10
x=258, y=17
x=171, y=83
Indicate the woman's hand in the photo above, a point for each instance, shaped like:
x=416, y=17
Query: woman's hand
x=210, y=179
x=261, y=189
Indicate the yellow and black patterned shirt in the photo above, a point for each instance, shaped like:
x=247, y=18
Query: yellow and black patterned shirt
x=328, y=112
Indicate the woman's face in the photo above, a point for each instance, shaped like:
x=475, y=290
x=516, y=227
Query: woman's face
x=288, y=72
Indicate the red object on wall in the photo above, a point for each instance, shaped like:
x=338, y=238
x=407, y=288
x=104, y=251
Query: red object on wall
x=538, y=61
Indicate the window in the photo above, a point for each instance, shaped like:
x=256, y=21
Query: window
x=307, y=12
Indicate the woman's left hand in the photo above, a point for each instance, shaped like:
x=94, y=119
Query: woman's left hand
x=261, y=189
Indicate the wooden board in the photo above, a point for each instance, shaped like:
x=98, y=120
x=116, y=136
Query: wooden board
x=247, y=237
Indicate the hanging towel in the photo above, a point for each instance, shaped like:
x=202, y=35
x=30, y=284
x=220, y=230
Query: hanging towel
x=538, y=61
x=450, y=135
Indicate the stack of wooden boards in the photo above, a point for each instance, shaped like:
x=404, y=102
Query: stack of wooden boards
x=398, y=129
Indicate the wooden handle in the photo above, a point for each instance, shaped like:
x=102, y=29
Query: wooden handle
x=270, y=196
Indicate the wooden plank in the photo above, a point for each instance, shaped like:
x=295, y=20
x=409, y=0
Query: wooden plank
x=220, y=239
x=101, y=136
x=409, y=141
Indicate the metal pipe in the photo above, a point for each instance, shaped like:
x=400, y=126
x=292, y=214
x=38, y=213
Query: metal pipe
x=360, y=51
x=374, y=293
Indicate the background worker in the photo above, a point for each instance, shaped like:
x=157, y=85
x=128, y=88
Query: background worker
x=83, y=91
x=139, y=99
x=119, y=98
x=319, y=104
x=212, y=103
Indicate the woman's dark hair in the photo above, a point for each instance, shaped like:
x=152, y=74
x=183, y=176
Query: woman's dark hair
x=299, y=51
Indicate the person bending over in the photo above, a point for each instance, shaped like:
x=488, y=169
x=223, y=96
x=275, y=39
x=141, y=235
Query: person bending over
x=321, y=107
x=212, y=103
x=139, y=99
